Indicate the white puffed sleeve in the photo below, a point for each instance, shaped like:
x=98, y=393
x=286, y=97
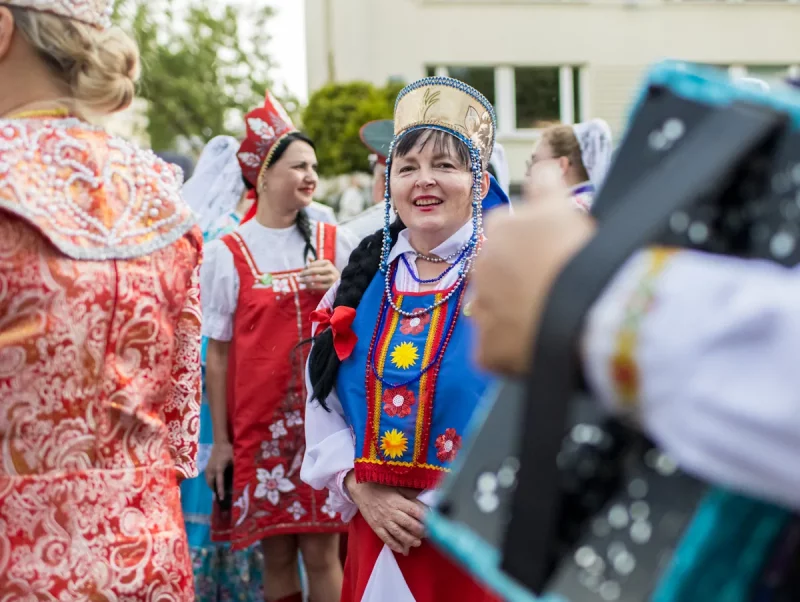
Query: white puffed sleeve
x=330, y=444
x=219, y=291
x=703, y=350
x=346, y=242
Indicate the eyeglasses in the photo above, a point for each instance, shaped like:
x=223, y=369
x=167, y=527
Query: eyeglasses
x=533, y=160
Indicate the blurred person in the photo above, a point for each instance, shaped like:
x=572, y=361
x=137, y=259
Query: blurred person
x=377, y=137
x=352, y=201
x=731, y=324
x=392, y=388
x=578, y=156
x=185, y=163
x=100, y=330
x=321, y=213
x=260, y=284
x=498, y=167
x=216, y=192
x=217, y=195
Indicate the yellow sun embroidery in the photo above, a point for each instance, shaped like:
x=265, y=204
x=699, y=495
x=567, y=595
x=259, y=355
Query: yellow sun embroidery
x=405, y=355
x=394, y=444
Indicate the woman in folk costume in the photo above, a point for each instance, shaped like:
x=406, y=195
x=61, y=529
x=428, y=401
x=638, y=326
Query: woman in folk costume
x=577, y=156
x=260, y=285
x=217, y=195
x=100, y=328
x=393, y=382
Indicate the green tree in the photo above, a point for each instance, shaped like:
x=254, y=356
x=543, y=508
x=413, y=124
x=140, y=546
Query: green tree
x=204, y=63
x=334, y=116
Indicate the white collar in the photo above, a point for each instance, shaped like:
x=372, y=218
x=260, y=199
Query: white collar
x=447, y=248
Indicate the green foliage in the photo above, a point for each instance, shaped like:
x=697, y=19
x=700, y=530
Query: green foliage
x=333, y=119
x=205, y=63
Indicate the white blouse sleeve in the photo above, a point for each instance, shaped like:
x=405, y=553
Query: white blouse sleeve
x=703, y=350
x=219, y=291
x=346, y=242
x=330, y=445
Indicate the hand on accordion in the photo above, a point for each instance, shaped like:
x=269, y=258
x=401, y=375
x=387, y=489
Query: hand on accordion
x=521, y=257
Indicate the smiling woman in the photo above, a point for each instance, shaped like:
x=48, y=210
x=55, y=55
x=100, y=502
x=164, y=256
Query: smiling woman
x=260, y=284
x=387, y=412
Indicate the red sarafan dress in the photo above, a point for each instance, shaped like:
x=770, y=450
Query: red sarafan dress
x=266, y=382
x=99, y=366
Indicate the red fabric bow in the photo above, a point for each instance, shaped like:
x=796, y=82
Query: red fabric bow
x=341, y=323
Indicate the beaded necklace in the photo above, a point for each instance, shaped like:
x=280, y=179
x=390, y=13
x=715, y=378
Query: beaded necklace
x=458, y=260
x=449, y=259
x=435, y=358
x=471, y=248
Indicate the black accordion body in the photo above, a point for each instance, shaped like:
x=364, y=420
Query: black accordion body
x=554, y=497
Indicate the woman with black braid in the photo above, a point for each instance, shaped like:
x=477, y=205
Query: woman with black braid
x=392, y=382
x=259, y=285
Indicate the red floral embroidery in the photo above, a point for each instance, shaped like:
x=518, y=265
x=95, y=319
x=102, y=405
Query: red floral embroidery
x=447, y=445
x=416, y=325
x=398, y=402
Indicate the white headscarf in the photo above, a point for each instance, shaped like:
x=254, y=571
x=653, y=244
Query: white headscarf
x=594, y=138
x=500, y=165
x=216, y=186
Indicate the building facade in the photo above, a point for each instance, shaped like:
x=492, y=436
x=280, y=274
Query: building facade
x=541, y=61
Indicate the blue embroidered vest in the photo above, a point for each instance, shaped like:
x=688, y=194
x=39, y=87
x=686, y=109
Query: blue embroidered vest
x=408, y=430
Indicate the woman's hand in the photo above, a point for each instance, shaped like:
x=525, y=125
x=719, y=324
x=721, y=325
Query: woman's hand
x=522, y=256
x=320, y=275
x=396, y=520
x=221, y=457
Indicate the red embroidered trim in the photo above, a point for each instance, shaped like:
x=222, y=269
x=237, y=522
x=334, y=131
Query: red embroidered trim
x=384, y=473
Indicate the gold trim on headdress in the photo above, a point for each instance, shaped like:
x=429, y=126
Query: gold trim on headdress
x=447, y=103
x=268, y=159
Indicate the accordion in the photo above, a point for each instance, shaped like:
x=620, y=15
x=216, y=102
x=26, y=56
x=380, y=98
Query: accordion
x=557, y=499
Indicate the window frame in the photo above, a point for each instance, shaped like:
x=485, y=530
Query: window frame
x=574, y=102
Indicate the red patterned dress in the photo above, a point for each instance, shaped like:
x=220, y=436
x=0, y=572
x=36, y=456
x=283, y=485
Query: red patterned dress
x=99, y=366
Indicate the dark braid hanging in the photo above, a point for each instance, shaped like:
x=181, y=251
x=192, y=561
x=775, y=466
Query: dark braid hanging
x=361, y=269
x=303, y=224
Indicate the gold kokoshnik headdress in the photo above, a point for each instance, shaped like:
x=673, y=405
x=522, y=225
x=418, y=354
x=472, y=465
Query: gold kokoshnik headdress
x=451, y=106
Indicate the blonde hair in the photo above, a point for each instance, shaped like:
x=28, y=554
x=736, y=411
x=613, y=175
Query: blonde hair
x=100, y=67
x=563, y=143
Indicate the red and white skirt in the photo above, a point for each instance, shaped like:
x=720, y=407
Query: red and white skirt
x=373, y=573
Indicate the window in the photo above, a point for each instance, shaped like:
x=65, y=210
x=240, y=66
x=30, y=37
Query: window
x=524, y=97
x=538, y=96
x=767, y=72
x=480, y=78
